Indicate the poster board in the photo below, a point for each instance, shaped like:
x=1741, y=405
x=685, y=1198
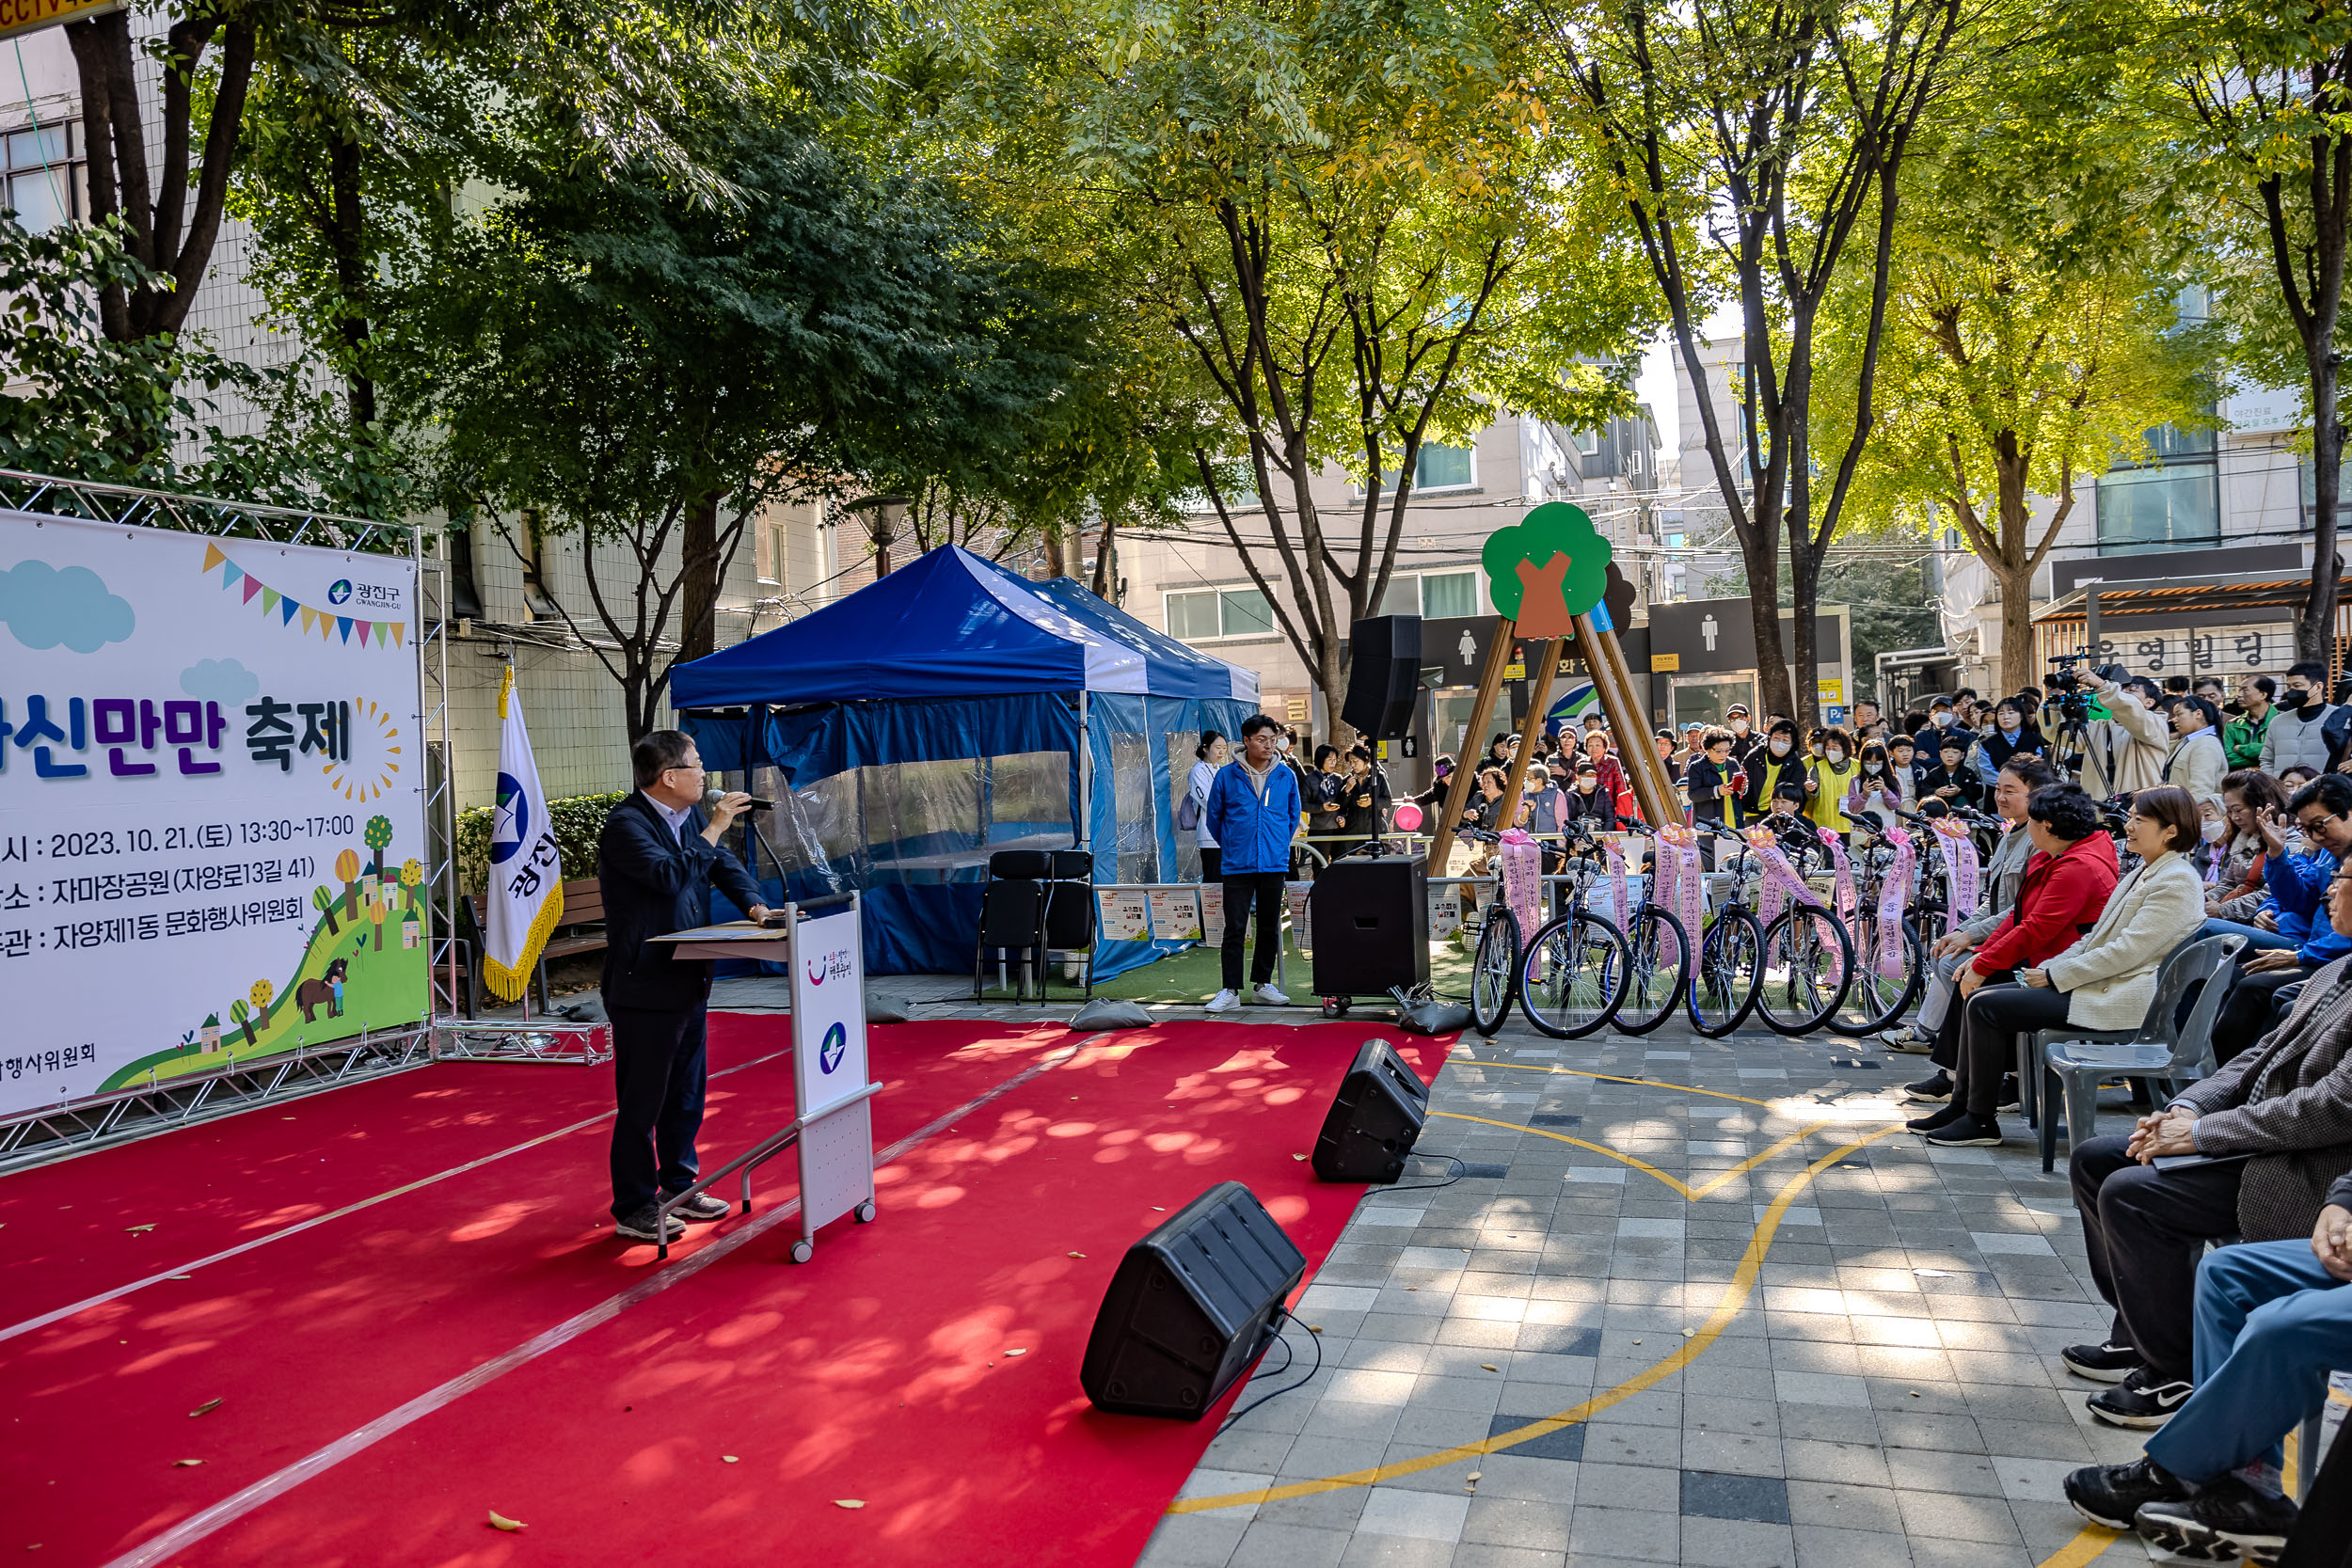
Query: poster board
x=828, y=1010
x=1123, y=915
x=211, y=802
x=1175, y=913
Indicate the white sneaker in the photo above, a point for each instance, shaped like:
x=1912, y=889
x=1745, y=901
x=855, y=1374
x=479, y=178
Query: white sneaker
x=1267, y=993
x=1224, y=1002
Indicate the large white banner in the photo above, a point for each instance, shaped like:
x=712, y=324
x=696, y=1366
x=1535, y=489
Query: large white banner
x=211, y=802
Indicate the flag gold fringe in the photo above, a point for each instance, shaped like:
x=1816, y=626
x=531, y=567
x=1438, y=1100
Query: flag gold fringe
x=508, y=985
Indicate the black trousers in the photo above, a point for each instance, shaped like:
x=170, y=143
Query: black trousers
x=1265, y=889
x=1989, y=1028
x=2146, y=1229
x=2252, y=1010
x=1210, y=855
x=661, y=1069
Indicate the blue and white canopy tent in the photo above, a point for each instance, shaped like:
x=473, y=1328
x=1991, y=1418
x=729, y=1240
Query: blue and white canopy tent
x=952, y=709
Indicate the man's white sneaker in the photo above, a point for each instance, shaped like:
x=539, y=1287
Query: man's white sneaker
x=1224, y=1002
x=1266, y=994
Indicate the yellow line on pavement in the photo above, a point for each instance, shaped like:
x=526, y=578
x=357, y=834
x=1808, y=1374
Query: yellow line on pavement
x=1694, y=1194
x=1620, y=1078
x=1735, y=1296
x=2088, y=1543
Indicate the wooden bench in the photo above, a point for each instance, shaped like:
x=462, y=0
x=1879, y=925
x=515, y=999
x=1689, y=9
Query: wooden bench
x=579, y=931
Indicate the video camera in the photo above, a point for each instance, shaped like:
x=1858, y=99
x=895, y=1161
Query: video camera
x=2068, y=687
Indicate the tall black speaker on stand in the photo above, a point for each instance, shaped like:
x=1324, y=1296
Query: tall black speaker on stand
x=1384, y=670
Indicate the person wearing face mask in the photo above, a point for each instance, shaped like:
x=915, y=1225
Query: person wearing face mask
x=2308, y=731
x=1610, y=773
x=2198, y=763
x=2126, y=752
x=1778, y=758
x=1876, y=791
x=1942, y=717
x=1589, y=806
x=1833, y=775
x=1745, y=742
x=2242, y=736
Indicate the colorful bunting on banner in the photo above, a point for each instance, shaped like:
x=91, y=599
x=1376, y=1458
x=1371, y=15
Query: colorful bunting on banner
x=327, y=624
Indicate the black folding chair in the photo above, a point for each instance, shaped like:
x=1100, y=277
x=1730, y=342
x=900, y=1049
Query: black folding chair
x=1012, y=915
x=1068, y=913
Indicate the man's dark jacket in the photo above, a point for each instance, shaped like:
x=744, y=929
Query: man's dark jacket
x=2287, y=1101
x=652, y=884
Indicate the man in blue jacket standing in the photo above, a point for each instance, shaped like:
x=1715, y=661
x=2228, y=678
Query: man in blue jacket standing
x=1253, y=812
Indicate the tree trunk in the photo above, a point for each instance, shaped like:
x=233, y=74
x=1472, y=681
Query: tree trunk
x=2315, y=626
x=1803, y=668
x=1106, y=560
x=346, y=241
x=698, y=573
x=1056, y=554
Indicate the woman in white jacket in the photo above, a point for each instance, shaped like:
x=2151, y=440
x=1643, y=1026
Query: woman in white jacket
x=1209, y=755
x=2107, y=978
x=2198, y=763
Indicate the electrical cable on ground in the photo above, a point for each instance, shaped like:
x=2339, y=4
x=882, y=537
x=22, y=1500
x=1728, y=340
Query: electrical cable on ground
x=1285, y=1367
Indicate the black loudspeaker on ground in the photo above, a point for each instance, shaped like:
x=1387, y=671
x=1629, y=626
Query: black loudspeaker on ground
x=1374, y=1121
x=1192, y=1306
x=1384, y=672
x=1371, y=920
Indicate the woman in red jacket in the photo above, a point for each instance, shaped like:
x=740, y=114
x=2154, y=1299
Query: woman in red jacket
x=2068, y=879
x=1612, y=772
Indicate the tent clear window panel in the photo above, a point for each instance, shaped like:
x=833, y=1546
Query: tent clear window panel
x=1139, y=825
x=1181, y=762
x=1026, y=804
x=921, y=821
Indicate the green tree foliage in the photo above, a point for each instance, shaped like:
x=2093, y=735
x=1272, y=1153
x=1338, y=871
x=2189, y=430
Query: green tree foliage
x=82, y=404
x=2032, y=333
x=1757, y=146
x=1347, y=216
x=603, y=353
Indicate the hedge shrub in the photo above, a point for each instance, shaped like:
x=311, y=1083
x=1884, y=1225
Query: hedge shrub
x=578, y=819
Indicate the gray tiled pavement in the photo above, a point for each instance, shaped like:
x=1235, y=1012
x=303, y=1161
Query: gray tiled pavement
x=1887, y=1391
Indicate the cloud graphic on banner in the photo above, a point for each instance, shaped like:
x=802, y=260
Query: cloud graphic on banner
x=220, y=680
x=45, y=607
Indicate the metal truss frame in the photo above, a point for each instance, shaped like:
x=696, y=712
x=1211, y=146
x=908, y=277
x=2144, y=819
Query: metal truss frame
x=55, y=1131
x=80, y=1126
x=553, y=1041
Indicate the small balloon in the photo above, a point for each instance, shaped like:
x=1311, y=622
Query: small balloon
x=1407, y=817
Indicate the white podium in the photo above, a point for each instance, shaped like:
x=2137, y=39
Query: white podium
x=833, y=1132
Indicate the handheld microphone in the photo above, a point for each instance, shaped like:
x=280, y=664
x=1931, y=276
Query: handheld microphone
x=713, y=796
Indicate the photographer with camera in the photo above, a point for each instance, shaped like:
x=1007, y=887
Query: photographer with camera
x=2124, y=752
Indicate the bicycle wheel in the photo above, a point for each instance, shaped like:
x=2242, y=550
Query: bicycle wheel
x=1723, y=987
x=1495, y=970
x=1572, y=978
x=1658, y=965
x=1806, y=971
x=1885, y=982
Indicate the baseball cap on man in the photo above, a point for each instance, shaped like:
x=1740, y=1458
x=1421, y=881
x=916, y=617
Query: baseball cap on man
x=1736, y=707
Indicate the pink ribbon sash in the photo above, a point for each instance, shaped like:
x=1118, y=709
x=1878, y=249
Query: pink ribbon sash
x=1960, y=872
x=1894, y=894
x=1522, y=878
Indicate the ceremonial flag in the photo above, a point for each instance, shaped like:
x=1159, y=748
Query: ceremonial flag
x=525, y=894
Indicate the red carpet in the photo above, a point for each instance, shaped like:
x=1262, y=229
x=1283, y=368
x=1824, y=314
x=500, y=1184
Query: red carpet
x=878, y=1373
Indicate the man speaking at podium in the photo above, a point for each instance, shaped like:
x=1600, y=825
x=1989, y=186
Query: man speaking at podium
x=658, y=859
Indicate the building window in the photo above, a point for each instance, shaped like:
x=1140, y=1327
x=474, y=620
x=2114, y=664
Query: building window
x=1449, y=594
x=2170, y=501
x=539, y=604
x=44, y=184
x=465, y=593
x=1218, y=612
x=1403, y=597
x=1442, y=467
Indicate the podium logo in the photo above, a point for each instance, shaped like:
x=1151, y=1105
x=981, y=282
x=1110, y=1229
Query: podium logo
x=827, y=966
x=339, y=592
x=835, y=1045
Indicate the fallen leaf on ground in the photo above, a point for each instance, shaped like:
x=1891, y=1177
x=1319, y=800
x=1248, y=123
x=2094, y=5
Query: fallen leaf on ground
x=1488, y=1367
x=1472, y=1476
x=185, y=1461
x=1314, y=1328
x=498, y=1520
x=208, y=1404
x=1077, y=1254
x=727, y=1459
x=849, y=1502
x=139, y=1229
x=1016, y=1353
x=184, y=1277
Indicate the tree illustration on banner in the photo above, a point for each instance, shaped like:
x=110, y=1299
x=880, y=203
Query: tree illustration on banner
x=411, y=875
x=261, y=993
x=243, y=1017
x=379, y=839
x=323, y=900
x=1547, y=569
x=347, y=872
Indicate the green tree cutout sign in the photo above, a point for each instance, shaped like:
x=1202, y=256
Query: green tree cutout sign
x=1547, y=569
